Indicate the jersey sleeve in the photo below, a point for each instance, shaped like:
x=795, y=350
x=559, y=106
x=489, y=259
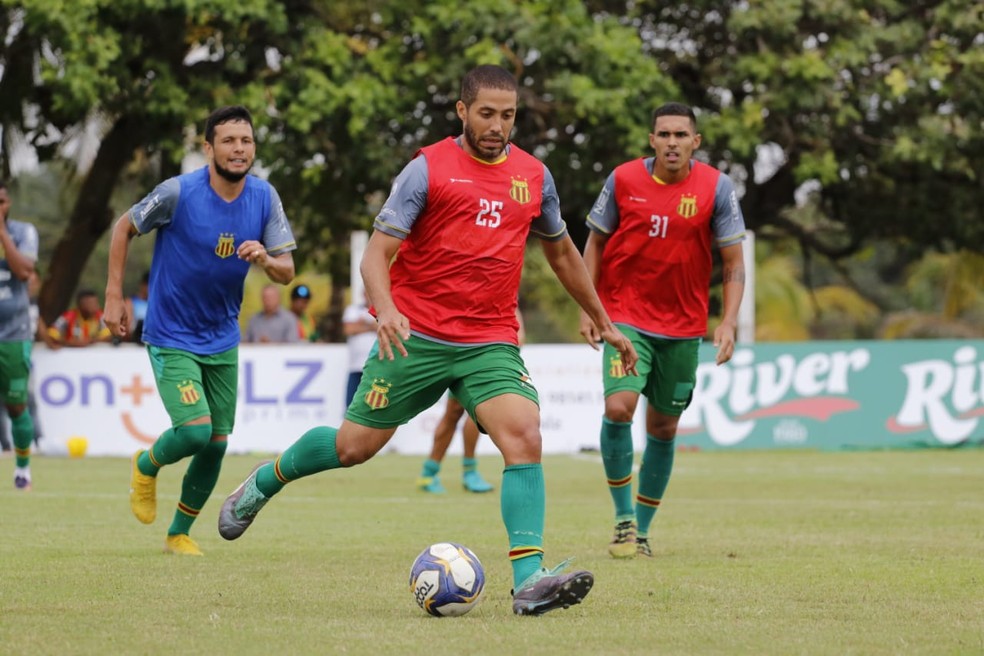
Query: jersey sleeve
x=27, y=244
x=549, y=225
x=727, y=223
x=278, y=238
x=157, y=208
x=603, y=217
x=406, y=202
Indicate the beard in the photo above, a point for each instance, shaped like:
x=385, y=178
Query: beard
x=229, y=175
x=488, y=154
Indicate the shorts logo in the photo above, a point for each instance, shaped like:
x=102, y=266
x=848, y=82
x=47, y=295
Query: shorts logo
x=615, y=368
x=520, y=191
x=688, y=206
x=376, y=397
x=189, y=395
x=225, y=247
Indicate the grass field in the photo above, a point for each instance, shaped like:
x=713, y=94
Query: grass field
x=757, y=553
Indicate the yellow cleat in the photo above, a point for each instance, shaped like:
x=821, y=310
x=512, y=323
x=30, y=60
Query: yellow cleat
x=623, y=545
x=181, y=545
x=143, y=493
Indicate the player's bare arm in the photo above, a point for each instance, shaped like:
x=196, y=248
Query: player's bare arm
x=393, y=327
x=278, y=268
x=567, y=263
x=114, y=310
x=20, y=265
x=594, y=249
x=733, y=286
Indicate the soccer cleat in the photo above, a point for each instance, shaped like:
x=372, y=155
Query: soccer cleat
x=22, y=479
x=143, y=493
x=623, y=545
x=240, y=508
x=473, y=482
x=431, y=484
x=643, y=548
x=181, y=545
x=546, y=590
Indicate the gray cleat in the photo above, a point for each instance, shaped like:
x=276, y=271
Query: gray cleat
x=240, y=508
x=547, y=590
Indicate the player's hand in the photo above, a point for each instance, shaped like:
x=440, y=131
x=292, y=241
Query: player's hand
x=115, y=317
x=724, y=340
x=589, y=331
x=624, y=346
x=253, y=252
x=392, y=331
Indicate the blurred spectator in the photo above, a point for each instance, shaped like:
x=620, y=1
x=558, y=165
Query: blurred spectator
x=136, y=308
x=82, y=325
x=300, y=299
x=360, y=331
x=273, y=324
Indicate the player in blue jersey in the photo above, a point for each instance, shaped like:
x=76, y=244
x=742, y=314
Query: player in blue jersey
x=18, y=253
x=212, y=224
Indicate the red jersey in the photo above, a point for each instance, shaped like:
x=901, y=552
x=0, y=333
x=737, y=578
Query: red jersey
x=456, y=276
x=656, y=268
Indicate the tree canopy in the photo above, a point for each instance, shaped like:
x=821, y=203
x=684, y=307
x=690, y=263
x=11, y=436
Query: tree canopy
x=843, y=122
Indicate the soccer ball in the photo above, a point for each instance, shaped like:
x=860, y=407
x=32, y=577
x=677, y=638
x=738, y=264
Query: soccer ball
x=447, y=579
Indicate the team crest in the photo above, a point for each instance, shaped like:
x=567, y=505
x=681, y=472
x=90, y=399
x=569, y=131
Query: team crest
x=688, y=206
x=615, y=368
x=520, y=191
x=189, y=395
x=377, y=397
x=225, y=247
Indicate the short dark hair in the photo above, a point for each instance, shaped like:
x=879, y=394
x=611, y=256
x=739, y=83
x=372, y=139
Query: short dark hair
x=675, y=109
x=225, y=115
x=84, y=293
x=486, y=76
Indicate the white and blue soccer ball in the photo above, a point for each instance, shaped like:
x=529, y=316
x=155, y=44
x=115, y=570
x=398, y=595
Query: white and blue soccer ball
x=447, y=579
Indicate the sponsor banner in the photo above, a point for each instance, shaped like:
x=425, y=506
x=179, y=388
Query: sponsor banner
x=814, y=395
x=839, y=395
x=108, y=396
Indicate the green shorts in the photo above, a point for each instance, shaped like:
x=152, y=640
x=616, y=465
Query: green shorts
x=393, y=392
x=667, y=371
x=193, y=386
x=15, y=367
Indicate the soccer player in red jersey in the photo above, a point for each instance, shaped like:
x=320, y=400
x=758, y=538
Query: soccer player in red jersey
x=457, y=220
x=649, y=253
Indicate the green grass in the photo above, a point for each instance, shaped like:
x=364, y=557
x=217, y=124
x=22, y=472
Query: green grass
x=756, y=553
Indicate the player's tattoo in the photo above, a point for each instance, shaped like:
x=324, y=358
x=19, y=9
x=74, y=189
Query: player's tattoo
x=734, y=274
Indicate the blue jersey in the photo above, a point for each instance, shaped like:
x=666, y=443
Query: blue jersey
x=15, y=315
x=196, y=279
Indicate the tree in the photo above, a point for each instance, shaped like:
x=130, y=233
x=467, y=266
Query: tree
x=137, y=71
x=877, y=106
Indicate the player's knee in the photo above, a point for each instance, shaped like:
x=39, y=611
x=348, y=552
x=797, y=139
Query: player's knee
x=16, y=410
x=662, y=427
x=195, y=436
x=351, y=454
x=216, y=448
x=619, y=412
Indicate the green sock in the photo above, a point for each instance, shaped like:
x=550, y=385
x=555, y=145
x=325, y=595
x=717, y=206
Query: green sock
x=654, y=476
x=314, y=452
x=22, y=428
x=199, y=481
x=173, y=445
x=523, y=504
x=617, y=454
x=431, y=468
x=469, y=464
